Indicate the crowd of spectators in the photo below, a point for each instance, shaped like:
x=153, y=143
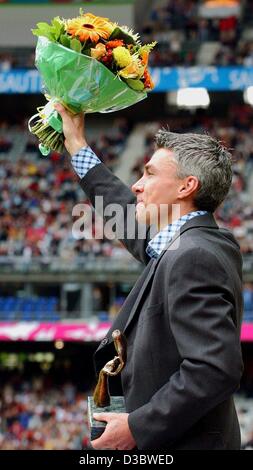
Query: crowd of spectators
x=244, y=406
x=244, y=402
x=37, y=197
x=234, y=53
x=13, y=59
x=38, y=415
x=180, y=31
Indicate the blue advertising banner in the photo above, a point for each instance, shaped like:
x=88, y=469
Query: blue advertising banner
x=212, y=78
x=20, y=81
x=166, y=79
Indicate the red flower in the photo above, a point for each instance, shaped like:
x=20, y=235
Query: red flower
x=114, y=43
x=148, y=82
x=107, y=58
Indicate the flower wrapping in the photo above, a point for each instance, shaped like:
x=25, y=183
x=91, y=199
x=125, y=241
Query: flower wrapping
x=95, y=73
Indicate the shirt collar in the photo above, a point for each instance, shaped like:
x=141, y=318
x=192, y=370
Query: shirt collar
x=162, y=238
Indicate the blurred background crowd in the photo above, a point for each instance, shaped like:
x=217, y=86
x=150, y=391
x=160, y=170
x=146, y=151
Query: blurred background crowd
x=49, y=276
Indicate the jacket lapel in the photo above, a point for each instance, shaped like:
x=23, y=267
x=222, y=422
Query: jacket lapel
x=129, y=307
x=142, y=290
x=125, y=317
x=204, y=220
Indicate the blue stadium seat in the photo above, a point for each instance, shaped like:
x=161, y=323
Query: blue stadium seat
x=8, y=308
x=27, y=309
x=248, y=300
x=103, y=316
x=248, y=304
x=45, y=309
x=1, y=303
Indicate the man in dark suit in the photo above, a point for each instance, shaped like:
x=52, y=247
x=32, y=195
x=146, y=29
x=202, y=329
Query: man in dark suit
x=182, y=318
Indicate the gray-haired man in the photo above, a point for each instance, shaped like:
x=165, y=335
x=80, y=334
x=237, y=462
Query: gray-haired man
x=182, y=318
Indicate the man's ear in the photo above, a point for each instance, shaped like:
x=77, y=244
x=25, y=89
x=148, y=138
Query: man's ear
x=188, y=187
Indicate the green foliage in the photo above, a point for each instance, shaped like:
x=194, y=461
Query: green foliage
x=39, y=32
x=119, y=34
x=136, y=85
x=147, y=47
x=51, y=31
x=65, y=40
x=58, y=26
x=85, y=50
x=76, y=45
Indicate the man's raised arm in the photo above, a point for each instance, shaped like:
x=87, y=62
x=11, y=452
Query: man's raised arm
x=97, y=180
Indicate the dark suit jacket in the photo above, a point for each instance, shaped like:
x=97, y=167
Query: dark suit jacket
x=182, y=323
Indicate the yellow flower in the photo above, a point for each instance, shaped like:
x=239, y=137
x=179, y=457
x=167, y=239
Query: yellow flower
x=98, y=52
x=122, y=56
x=133, y=70
x=89, y=26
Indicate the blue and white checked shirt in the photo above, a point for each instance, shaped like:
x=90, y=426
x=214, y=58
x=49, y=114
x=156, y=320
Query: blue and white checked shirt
x=162, y=238
x=86, y=159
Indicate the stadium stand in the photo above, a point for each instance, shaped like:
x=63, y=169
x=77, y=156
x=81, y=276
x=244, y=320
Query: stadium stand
x=186, y=37
x=28, y=308
x=37, y=415
x=36, y=225
x=36, y=201
x=34, y=211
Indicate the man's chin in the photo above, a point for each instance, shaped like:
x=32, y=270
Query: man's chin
x=142, y=218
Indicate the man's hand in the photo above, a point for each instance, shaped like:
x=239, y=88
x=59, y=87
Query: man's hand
x=73, y=129
x=117, y=435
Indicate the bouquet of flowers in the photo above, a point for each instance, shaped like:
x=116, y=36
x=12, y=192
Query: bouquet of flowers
x=89, y=64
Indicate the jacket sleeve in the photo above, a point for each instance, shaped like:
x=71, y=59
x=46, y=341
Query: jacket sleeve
x=100, y=181
x=201, y=311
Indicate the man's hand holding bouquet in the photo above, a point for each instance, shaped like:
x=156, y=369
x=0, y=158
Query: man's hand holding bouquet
x=88, y=64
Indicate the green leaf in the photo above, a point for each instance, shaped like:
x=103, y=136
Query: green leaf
x=86, y=51
x=45, y=34
x=36, y=32
x=45, y=30
x=135, y=49
x=119, y=34
x=65, y=40
x=58, y=27
x=136, y=85
x=56, y=22
x=44, y=26
x=147, y=47
x=76, y=45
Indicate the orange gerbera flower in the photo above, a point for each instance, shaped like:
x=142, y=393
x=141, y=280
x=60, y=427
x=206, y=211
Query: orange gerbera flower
x=89, y=26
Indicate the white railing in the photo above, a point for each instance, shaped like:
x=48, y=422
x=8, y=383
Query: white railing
x=78, y=264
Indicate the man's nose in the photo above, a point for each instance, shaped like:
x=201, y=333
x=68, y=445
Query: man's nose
x=138, y=187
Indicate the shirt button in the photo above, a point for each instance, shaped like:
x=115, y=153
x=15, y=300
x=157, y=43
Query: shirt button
x=104, y=341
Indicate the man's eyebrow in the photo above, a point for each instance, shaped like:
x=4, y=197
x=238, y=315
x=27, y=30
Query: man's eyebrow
x=149, y=166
